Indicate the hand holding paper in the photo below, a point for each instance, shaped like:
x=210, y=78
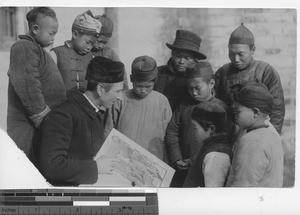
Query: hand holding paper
x=106, y=165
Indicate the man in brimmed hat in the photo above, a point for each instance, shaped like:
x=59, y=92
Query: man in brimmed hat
x=180, y=140
x=212, y=163
x=258, y=153
x=73, y=133
x=243, y=68
x=171, y=77
x=101, y=47
x=73, y=57
x=144, y=113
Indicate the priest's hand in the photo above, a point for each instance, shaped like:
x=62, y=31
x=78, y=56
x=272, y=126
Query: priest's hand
x=106, y=165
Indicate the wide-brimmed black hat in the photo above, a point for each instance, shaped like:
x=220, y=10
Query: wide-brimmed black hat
x=187, y=40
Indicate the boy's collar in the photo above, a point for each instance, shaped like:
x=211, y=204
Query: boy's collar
x=256, y=127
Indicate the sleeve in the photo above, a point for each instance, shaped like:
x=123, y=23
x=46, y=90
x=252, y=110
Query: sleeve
x=272, y=80
x=249, y=165
x=215, y=168
x=171, y=140
x=167, y=118
x=218, y=82
x=24, y=76
x=113, y=116
x=56, y=140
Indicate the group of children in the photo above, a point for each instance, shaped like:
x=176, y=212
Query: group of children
x=195, y=134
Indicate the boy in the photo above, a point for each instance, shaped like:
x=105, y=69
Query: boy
x=211, y=166
x=144, y=113
x=35, y=84
x=73, y=133
x=101, y=47
x=73, y=57
x=258, y=154
x=181, y=144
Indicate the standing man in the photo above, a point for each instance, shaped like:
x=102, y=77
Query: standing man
x=171, y=77
x=73, y=133
x=243, y=68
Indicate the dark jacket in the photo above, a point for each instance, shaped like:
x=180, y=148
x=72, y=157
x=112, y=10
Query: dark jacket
x=72, y=67
x=71, y=136
x=34, y=82
x=171, y=84
x=258, y=71
x=217, y=143
x=180, y=139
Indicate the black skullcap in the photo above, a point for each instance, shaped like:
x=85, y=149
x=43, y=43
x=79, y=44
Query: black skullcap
x=255, y=95
x=107, y=25
x=211, y=113
x=202, y=69
x=143, y=68
x=241, y=35
x=104, y=70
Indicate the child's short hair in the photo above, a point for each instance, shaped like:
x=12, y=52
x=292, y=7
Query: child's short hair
x=210, y=114
x=32, y=15
x=202, y=69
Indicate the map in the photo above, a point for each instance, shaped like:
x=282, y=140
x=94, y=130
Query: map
x=136, y=167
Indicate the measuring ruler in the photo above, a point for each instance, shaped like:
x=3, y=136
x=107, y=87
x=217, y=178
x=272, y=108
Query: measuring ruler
x=78, y=201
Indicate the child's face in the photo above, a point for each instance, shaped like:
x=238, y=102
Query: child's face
x=83, y=43
x=45, y=31
x=101, y=42
x=199, y=89
x=201, y=134
x=244, y=116
x=142, y=89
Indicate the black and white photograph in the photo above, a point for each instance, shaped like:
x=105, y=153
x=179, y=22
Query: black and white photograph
x=208, y=92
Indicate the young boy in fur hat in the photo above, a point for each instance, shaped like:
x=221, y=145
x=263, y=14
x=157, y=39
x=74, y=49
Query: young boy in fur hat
x=212, y=163
x=73, y=57
x=101, y=47
x=181, y=143
x=144, y=113
x=35, y=84
x=258, y=153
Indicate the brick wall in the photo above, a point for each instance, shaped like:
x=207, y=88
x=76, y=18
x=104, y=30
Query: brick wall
x=147, y=30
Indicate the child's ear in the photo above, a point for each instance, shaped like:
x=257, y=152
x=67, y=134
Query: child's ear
x=212, y=83
x=212, y=129
x=256, y=112
x=35, y=28
x=74, y=34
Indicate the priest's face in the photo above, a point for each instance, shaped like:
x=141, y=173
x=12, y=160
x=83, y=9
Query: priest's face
x=240, y=55
x=142, y=89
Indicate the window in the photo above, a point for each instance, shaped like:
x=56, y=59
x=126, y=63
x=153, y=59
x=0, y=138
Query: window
x=8, y=33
